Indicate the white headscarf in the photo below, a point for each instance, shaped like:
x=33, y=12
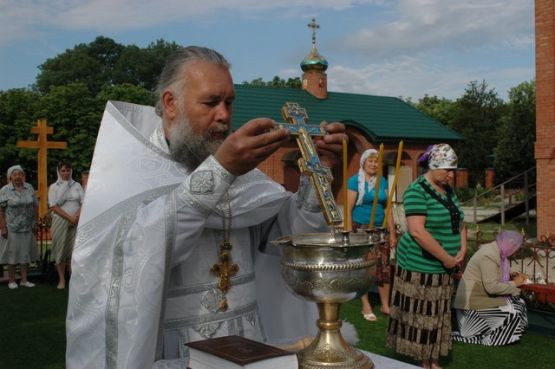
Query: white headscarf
x=58, y=190
x=12, y=169
x=362, y=175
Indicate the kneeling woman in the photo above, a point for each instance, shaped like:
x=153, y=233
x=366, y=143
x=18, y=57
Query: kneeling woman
x=489, y=311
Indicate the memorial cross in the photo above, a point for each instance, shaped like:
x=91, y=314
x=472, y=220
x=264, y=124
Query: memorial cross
x=309, y=163
x=42, y=144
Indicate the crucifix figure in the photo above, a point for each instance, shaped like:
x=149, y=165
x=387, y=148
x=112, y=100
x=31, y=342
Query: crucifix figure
x=42, y=144
x=309, y=163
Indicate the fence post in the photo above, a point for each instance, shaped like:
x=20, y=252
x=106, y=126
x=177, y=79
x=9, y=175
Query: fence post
x=475, y=205
x=502, y=205
x=526, y=206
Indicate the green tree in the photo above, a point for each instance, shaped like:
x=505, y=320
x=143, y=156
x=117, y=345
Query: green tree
x=441, y=109
x=126, y=92
x=476, y=117
x=91, y=64
x=514, y=152
x=142, y=66
x=17, y=116
x=104, y=62
x=75, y=115
x=275, y=82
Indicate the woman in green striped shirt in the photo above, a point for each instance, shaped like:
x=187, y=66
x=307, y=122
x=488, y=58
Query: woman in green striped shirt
x=427, y=255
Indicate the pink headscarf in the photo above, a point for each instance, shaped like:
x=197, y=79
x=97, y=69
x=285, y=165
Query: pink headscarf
x=507, y=242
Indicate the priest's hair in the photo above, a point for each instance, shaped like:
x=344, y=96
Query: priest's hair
x=170, y=78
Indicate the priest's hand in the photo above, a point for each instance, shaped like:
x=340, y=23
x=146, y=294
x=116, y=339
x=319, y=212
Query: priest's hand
x=250, y=145
x=330, y=146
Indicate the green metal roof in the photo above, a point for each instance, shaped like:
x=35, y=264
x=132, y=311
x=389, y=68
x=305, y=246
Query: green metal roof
x=381, y=118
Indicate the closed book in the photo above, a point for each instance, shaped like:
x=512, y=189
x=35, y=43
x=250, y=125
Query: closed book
x=235, y=352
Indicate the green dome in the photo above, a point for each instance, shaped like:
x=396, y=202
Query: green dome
x=314, y=61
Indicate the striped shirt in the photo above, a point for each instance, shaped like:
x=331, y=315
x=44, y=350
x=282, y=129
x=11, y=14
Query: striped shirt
x=417, y=201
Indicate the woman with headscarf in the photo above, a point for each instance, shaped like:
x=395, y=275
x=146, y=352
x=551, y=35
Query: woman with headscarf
x=360, y=199
x=427, y=254
x=65, y=197
x=18, y=220
x=489, y=311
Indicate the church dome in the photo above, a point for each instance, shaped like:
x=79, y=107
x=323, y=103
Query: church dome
x=314, y=61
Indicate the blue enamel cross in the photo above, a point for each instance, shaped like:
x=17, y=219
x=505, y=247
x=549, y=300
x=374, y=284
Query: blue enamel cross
x=309, y=163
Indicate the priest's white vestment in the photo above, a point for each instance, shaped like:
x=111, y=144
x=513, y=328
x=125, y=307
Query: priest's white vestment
x=148, y=235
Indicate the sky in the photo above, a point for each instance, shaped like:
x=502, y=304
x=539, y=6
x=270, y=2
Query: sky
x=405, y=48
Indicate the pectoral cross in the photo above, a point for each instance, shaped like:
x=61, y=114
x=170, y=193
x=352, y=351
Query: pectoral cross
x=225, y=269
x=42, y=144
x=309, y=163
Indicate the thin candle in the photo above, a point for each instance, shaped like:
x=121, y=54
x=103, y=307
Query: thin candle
x=346, y=215
x=377, y=186
x=394, y=184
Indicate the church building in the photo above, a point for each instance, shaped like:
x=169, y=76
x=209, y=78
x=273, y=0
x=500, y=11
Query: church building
x=370, y=120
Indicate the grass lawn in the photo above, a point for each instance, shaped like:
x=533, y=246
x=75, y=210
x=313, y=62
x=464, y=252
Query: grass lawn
x=32, y=326
x=32, y=335
x=533, y=351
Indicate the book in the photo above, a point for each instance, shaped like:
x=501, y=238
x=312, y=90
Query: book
x=235, y=352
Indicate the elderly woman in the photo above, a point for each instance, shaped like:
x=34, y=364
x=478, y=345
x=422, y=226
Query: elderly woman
x=65, y=197
x=435, y=243
x=360, y=198
x=489, y=311
x=18, y=219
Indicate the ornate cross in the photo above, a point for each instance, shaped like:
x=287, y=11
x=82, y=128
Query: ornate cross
x=43, y=145
x=314, y=27
x=310, y=163
x=225, y=269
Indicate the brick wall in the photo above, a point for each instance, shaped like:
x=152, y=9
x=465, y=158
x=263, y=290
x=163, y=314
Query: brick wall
x=545, y=115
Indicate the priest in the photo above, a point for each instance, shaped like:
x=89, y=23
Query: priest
x=174, y=240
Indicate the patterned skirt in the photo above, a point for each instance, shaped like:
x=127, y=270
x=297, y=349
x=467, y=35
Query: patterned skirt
x=493, y=327
x=63, y=238
x=420, y=314
x=18, y=248
x=382, y=257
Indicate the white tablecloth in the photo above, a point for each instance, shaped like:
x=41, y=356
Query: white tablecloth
x=382, y=362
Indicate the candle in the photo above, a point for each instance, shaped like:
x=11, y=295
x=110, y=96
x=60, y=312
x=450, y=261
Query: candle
x=377, y=186
x=394, y=184
x=346, y=215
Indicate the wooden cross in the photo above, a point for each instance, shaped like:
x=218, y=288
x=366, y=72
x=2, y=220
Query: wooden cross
x=309, y=163
x=42, y=144
x=225, y=269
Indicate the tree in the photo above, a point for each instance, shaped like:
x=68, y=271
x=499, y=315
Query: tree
x=514, y=152
x=75, y=115
x=90, y=64
x=476, y=117
x=441, y=109
x=142, y=67
x=17, y=116
x=104, y=62
x=126, y=92
x=275, y=82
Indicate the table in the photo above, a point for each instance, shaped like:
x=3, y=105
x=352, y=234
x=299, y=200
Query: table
x=544, y=293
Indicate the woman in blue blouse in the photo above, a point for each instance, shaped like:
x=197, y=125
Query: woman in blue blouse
x=360, y=199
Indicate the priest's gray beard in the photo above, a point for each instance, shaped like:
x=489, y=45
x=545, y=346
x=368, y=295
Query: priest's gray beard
x=190, y=148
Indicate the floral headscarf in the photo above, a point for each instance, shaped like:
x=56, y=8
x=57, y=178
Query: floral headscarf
x=442, y=156
x=508, y=242
x=362, y=177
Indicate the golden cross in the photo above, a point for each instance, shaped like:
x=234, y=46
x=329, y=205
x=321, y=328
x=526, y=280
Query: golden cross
x=225, y=270
x=314, y=26
x=310, y=163
x=42, y=144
